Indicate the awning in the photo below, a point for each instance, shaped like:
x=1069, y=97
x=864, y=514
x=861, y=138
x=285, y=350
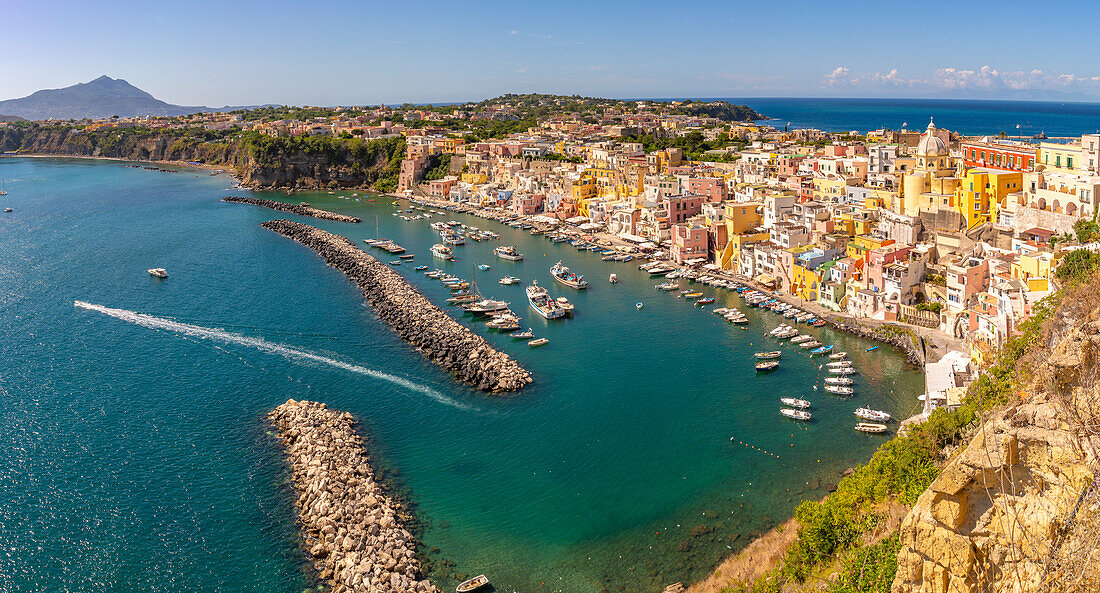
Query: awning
x=647, y=245
x=577, y=219
x=589, y=226
x=764, y=279
x=632, y=238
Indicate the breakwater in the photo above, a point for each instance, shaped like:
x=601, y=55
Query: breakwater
x=292, y=208
x=352, y=529
x=440, y=338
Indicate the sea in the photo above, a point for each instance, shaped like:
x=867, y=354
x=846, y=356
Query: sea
x=968, y=117
x=136, y=455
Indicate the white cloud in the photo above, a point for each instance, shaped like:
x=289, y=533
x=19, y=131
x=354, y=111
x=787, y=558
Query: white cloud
x=986, y=78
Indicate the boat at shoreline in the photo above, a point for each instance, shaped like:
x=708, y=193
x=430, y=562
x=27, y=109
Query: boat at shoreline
x=474, y=584
x=564, y=275
x=541, y=302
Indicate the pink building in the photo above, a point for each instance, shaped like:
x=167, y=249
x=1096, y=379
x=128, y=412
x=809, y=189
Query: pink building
x=714, y=190
x=527, y=205
x=688, y=242
x=879, y=259
x=681, y=208
x=441, y=188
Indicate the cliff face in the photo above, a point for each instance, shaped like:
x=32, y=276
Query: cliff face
x=260, y=163
x=1014, y=511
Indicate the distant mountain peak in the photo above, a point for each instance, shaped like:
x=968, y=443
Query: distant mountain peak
x=97, y=98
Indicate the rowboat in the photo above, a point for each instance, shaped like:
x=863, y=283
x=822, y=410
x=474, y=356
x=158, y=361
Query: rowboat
x=474, y=584
x=869, y=427
x=872, y=348
x=795, y=414
x=794, y=402
x=769, y=355
x=420, y=268
x=693, y=295
x=538, y=342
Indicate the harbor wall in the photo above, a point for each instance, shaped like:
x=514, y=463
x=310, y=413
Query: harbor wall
x=352, y=530
x=292, y=208
x=439, y=338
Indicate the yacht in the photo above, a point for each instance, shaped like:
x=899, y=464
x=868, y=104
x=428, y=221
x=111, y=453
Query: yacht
x=542, y=303
x=442, y=251
x=508, y=252
x=565, y=276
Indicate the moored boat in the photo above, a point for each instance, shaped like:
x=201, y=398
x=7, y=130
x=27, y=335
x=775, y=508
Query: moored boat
x=474, y=584
x=767, y=366
x=508, y=252
x=838, y=381
x=564, y=275
x=538, y=342
x=509, y=280
x=870, y=427
x=839, y=389
x=795, y=414
x=769, y=355
x=877, y=415
x=541, y=302
x=822, y=349
x=794, y=402
x=441, y=251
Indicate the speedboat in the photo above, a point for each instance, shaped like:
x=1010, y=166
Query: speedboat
x=613, y=278
x=794, y=402
x=869, y=414
x=542, y=303
x=567, y=277
x=486, y=307
x=767, y=366
x=795, y=414
x=839, y=389
x=527, y=335
x=769, y=355
x=870, y=427
x=538, y=342
x=509, y=280
x=508, y=252
x=158, y=273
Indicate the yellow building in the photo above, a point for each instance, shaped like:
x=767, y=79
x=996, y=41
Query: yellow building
x=805, y=282
x=742, y=217
x=1062, y=158
x=861, y=244
x=731, y=254
x=930, y=184
x=982, y=192
x=475, y=178
x=829, y=189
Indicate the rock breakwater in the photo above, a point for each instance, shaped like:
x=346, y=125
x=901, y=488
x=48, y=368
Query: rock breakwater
x=352, y=529
x=292, y=208
x=440, y=338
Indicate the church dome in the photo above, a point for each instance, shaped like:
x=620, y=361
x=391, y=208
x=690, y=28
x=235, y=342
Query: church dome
x=930, y=144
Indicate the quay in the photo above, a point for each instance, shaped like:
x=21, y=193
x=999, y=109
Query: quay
x=292, y=208
x=351, y=528
x=438, y=336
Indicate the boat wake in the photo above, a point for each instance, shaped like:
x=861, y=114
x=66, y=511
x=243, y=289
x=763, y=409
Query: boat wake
x=195, y=331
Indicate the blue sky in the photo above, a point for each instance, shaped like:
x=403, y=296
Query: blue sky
x=347, y=52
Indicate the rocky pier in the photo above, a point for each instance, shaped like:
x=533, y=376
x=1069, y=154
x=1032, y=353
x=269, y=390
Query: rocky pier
x=351, y=528
x=292, y=208
x=440, y=338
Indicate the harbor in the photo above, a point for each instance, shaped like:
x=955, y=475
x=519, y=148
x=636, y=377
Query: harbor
x=548, y=489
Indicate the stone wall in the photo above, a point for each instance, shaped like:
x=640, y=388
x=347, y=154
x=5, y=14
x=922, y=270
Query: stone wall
x=292, y=208
x=1030, y=218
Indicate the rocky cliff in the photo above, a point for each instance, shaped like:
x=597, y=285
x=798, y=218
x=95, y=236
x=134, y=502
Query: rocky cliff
x=1015, y=509
x=260, y=162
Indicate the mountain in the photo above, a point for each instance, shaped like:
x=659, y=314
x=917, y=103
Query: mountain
x=7, y=118
x=102, y=97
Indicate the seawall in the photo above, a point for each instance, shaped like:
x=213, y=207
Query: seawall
x=292, y=208
x=351, y=528
x=440, y=338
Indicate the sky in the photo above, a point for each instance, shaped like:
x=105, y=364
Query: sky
x=346, y=52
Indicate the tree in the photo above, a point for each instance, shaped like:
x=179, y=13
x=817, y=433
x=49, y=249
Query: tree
x=1087, y=231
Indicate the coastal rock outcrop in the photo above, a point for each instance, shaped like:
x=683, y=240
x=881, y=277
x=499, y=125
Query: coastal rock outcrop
x=440, y=338
x=352, y=530
x=292, y=208
x=1016, y=509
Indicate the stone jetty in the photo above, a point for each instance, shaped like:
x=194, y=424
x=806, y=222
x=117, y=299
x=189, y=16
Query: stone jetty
x=292, y=208
x=440, y=338
x=352, y=529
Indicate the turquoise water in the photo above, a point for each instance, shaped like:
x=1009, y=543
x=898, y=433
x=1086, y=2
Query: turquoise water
x=136, y=455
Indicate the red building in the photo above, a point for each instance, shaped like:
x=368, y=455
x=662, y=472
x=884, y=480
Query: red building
x=1005, y=156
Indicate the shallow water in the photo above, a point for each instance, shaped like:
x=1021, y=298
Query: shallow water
x=137, y=455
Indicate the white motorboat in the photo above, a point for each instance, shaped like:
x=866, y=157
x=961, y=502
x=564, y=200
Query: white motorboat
x=509, y=280
x=842, y=371
x=877, y=415
x=838, y=381
x=794, y=402
x=795, y=414
x=839, y=389
x=870, y=427
x=508, y=252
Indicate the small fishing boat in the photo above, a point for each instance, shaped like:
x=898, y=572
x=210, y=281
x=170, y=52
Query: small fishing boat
x=483, y=267
x=474, y=584
x=818, y=323
x=693, y=295
x=541, y=302
x=508, y=252
x=795, y=414
x=638, y=305
x=613, y=278
x=838, y=355
x=822, y=349
x=838, y=363
x=800, y=339
x=704, y=301
x=158, y=273
x=7, y=209
x=564, y=275
x=420, y=268
x=877, y=415
x=538, y=342
x=872, y=349
x=767, y=366
x=525, y=335
x=809, y=345
x=794, y=402
x=838, y=381
x=565, y=305
x=842, y=371
x=839, y=389
x=870, y=427
x=509, y=280
x=395, y=262
x=769, y=355
x=441, y=251
x=667, y=286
